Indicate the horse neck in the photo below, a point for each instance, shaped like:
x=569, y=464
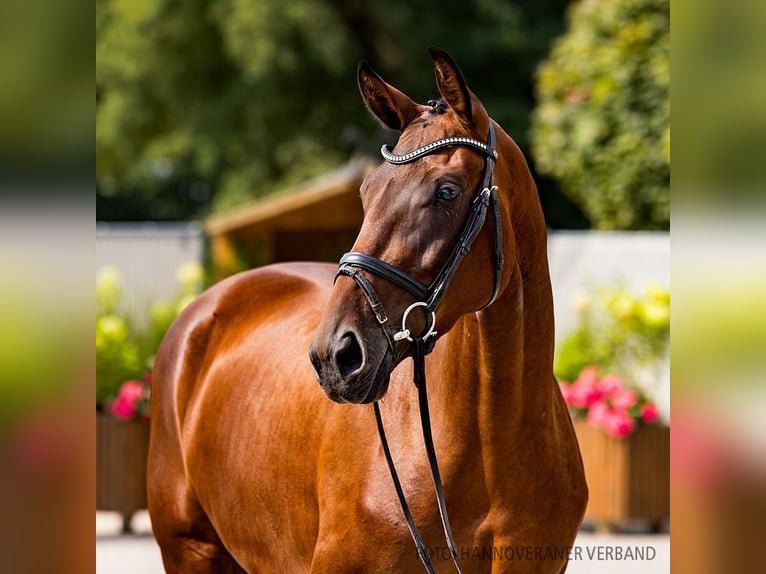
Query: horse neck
x=516, y=337
x=512, y=340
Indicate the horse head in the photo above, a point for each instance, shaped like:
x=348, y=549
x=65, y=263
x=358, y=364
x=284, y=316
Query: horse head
x=417, y=207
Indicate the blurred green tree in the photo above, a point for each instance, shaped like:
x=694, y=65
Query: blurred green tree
x=602, y=124
x=203, y=104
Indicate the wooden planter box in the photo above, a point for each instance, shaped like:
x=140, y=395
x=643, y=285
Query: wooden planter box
x=122, y=448
x=628, y=479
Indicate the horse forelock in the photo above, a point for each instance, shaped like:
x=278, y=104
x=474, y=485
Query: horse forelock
x=436, y=121
x=439, y=106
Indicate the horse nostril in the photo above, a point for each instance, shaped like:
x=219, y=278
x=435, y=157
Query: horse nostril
x=348, y=355
x=315, y=360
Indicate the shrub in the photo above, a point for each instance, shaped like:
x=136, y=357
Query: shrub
x=602, y=123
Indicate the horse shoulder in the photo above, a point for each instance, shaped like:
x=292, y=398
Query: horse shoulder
x=226, y=314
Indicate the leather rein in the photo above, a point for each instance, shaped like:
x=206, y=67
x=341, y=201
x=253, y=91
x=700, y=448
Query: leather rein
x=428, y=297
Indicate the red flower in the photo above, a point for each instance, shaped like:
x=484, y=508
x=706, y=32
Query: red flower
x=599, y=413
x=649, y=413
x=623, y=399
x=610, y=384
x=132, y=391
x=608, y=403
x=585, y=390
x=619, y=424
x=126, y=405
x=123, y=409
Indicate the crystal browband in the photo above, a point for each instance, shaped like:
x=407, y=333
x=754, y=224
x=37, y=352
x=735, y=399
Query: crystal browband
x=386, y=150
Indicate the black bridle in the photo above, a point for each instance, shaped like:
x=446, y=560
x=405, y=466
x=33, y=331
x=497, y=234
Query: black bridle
x=429, y=296
x=352, y=264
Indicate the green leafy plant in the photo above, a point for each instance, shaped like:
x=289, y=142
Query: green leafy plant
x=124, y=352
x=117, y=354
x=602, y=122
x=619, y=331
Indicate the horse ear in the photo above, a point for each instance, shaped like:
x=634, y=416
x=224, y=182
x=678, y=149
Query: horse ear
x=451, y=84
x=393, y=108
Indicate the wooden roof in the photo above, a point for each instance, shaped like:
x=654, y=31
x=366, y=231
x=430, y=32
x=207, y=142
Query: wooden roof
x=330, y=202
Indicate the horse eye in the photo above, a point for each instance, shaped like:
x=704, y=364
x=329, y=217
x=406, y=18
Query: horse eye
x=447, y=193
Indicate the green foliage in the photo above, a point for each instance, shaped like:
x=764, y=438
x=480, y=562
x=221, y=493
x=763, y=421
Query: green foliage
x=117, y=354
x=209, y=103
x=618, y=331
x=117, y=357
x=123, y=351
x=577, y=351
x=602, y=124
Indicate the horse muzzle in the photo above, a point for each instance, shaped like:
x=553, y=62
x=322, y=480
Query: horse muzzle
x=345, y=370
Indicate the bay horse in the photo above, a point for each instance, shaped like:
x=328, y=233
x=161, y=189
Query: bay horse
x=253, y=469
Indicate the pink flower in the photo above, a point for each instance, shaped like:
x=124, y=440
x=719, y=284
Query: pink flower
x=609, y=384
x=619, y=424
x=132, y=391
x=598, y=414
x=126, y=405
x=623, y=399
x=608, y=403
x=649, y=413
x=123, y=409
x=585, y=389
